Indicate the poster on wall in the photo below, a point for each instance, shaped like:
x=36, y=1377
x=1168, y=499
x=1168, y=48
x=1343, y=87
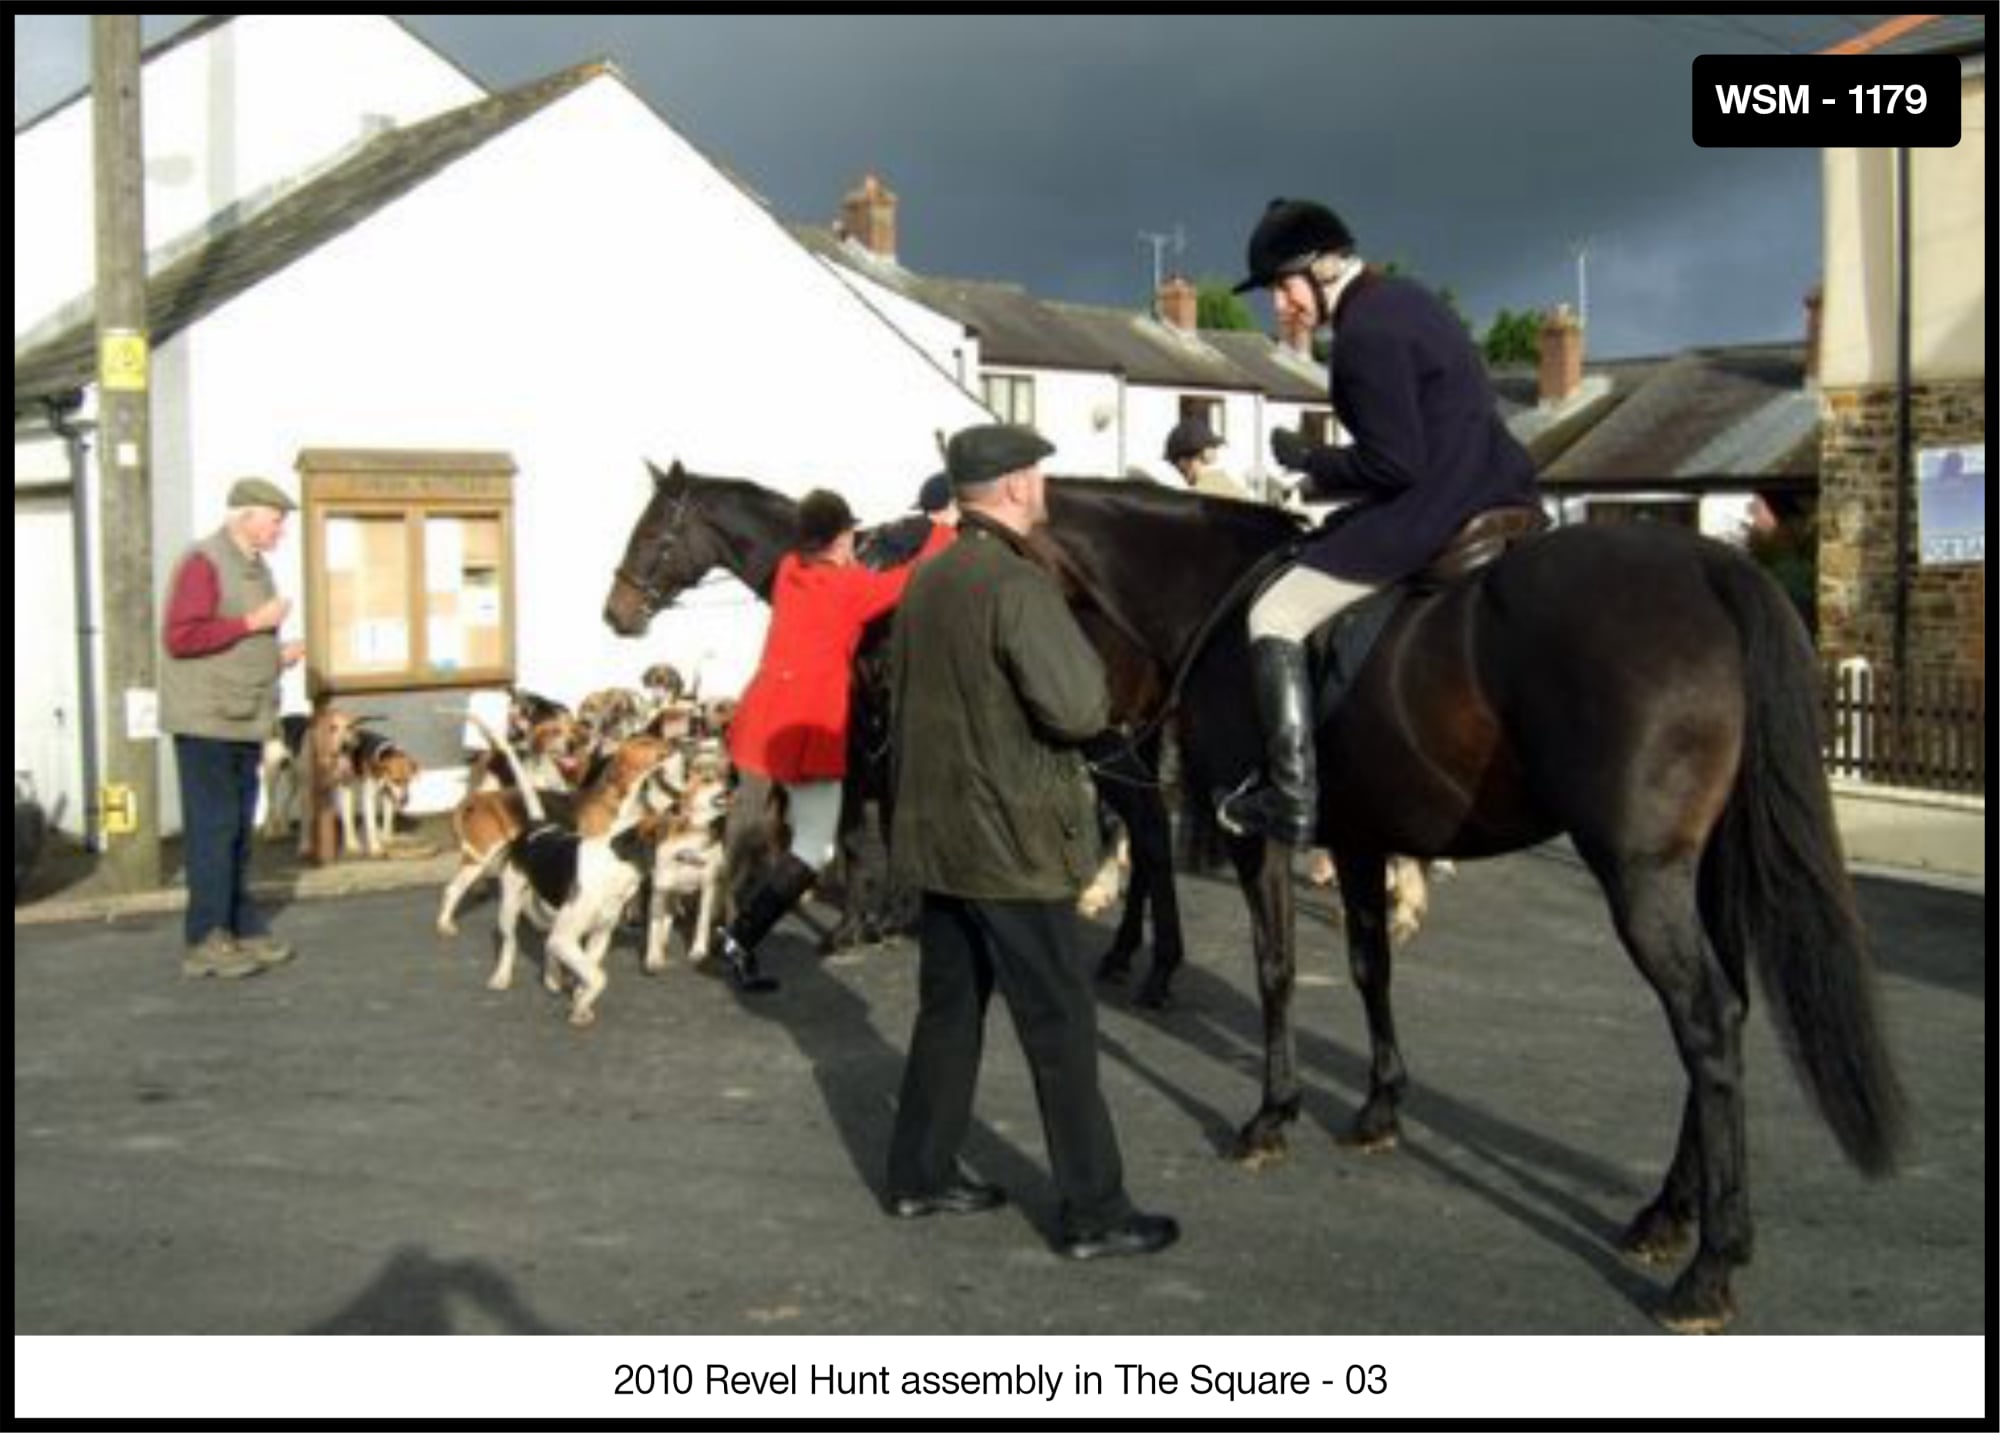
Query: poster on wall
x=1951, y=505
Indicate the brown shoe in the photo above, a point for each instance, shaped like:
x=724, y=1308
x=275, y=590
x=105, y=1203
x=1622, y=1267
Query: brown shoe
x=266, y=950
x=220, y=956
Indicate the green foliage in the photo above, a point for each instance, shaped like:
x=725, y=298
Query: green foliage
x=1217, y=307
x=1513, y=337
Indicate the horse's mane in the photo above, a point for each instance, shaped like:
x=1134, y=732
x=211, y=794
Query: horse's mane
x=1182, y=550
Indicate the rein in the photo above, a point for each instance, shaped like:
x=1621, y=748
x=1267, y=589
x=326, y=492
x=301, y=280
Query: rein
x=1246, y=583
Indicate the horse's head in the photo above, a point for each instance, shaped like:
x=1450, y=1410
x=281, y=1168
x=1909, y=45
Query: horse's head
x=674, y=544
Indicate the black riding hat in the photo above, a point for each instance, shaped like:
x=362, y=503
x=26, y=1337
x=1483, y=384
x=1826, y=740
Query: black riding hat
x=935, y=495
x=1289, y=235
x=823, y=516
x=1190, y=438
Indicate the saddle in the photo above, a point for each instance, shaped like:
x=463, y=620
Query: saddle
x=1337, y=650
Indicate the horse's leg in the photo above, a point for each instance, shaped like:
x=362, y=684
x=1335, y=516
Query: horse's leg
x=1264, y=870
x=1116, y=962
x=1364, y=899
x=1153, y=852
x=1654, y=905
x=1660, y=1232
x=850, y=929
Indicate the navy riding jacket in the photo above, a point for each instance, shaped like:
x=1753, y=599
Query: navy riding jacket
x=1429, y=448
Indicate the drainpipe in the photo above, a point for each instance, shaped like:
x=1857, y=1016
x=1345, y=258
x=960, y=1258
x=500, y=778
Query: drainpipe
x=1901, y=640
x=59, y=410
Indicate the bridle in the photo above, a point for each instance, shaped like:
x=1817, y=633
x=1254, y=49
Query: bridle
x=652, y=591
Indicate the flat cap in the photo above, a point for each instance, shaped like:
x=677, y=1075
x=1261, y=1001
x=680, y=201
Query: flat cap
x=992, y=450
x=260, y=493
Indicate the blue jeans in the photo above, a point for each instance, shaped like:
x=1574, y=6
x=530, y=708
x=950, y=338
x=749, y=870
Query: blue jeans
x=218, y=807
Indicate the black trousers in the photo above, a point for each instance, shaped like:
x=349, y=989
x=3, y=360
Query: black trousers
x=1030, y=951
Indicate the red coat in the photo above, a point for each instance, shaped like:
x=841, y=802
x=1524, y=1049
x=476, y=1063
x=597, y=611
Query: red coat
x=791, y=725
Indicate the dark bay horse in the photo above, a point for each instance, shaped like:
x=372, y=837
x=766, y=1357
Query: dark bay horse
x=1647, y=692
x=693, y=525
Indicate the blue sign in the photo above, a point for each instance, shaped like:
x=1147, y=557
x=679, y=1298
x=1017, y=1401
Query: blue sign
x=1951, y=505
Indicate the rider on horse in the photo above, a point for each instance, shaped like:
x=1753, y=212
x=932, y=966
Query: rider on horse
x=1429, y=452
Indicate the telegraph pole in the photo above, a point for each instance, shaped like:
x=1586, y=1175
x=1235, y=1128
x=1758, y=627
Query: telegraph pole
x=1582, y=250
x=129, y=799
x=1159, y=241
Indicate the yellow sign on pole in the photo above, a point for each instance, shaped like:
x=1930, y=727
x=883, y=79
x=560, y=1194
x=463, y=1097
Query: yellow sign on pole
x=121, y=361
x=119, y=811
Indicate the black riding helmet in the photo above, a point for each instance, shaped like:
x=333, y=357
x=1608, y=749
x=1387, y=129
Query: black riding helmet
x=1289, y=236
x=823, y=516
x=1190, y=438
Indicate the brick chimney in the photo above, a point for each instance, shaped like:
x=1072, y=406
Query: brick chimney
x=868, y=216
x=1178, y=303
x=1560, y=372
x=1814, y=297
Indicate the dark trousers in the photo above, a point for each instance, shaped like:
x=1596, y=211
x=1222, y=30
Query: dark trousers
x=1029, y=949
x=218, y=805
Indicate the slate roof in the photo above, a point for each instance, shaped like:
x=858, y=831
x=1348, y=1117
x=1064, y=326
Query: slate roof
x=1703, y=418
x=1016, y=329
x=291, y=226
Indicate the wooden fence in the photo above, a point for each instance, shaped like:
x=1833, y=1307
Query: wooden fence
x=1931, y=736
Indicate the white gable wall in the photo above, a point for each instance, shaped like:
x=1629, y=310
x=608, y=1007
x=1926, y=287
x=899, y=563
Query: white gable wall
x=536, y=298
x=251, y=103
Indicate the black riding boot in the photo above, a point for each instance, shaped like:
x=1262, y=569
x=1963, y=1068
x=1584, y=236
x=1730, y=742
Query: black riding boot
x=737, y=942
x=1285, y=806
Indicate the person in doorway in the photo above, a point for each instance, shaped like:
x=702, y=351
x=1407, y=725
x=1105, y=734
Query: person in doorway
x=219, y=702
x=1191, y=451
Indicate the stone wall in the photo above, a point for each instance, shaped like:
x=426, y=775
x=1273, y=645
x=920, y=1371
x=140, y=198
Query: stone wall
x=1857, y=532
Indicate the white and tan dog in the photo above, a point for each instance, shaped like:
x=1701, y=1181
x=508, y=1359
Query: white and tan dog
x=575, y=886
x=690, y=861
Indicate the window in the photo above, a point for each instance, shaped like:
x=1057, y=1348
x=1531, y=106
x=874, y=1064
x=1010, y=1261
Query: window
x=1317, y=427
x=1011, y=396
x=409, y=570
x=1208, y=410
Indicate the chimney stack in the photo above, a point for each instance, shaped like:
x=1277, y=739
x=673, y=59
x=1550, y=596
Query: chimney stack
x=1814, y=296
x=1560, y=372
x=868, y=216
x=1178, y=303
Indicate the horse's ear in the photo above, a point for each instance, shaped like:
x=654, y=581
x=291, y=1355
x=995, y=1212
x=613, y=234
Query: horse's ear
x=673, y=477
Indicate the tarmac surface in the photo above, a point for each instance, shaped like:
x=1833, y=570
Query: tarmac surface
x=368, y=1140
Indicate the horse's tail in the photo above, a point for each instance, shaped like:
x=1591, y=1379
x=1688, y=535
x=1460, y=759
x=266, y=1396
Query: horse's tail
x=1773, y=881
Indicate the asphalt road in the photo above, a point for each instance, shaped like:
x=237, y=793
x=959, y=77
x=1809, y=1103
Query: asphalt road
x=369, y=1141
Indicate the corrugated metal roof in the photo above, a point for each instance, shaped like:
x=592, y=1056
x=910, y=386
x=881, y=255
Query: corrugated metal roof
x=292, y=226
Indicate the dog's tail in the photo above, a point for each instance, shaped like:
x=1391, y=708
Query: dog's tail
x=529, y=795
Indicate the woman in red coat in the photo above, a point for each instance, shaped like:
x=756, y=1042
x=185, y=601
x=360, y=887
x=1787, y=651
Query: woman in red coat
x=791, y=726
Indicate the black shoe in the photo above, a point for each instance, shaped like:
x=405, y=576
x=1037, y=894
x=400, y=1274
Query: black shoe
x=1134, y=1234
x=741, y=963
x=961, y=1196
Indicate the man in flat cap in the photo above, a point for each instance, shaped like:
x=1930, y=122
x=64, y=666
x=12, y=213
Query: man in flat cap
x=219, y=701
x=993, y=687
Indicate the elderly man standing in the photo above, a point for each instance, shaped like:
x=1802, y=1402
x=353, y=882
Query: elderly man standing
x=219, y=701
x=994, y=685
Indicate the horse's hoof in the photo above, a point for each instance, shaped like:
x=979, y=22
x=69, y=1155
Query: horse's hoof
x=1711, y=1317
x=1656, y=1239
x=1370, y=1140
x=1258, y=1149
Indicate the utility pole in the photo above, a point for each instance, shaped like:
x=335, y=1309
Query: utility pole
x=129, y=799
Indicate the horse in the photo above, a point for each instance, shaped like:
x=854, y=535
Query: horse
x=1646, y=691
x=694, y=524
